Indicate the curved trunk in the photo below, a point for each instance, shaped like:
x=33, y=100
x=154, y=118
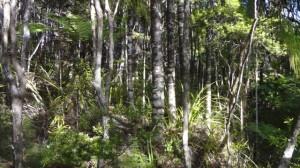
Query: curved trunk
x=97, y=28
x=16, y=82
x=236, y=83
x=17, y=91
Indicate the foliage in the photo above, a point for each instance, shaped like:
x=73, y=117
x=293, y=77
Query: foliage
x=280, y=95
x=269, y=39
x=136, y=159
x=70, y=148
x=72, y=25
x=139, y=7
x=33, y=152
x=278, y=108
x=198, y=110
x=291, y=39
x=63, y=73
x=33, y=155
x=203, y=141
x=274, y=136
x=5, y=132
x=37, y=27
x=72, y=99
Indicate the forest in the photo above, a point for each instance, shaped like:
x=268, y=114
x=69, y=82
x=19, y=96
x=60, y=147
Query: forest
x=149, y=83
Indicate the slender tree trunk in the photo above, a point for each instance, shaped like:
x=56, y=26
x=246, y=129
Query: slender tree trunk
x=236, y=83
x=216, y=64
x=144, y=72
x=121, y=71
x=17, y=89
x=94, y=34
x=290, y=147
x=186, y=81
x=97, y=28
x=57, y=64
x=111, y=16
x=171, y=61
x=209, y=51
x=26, y=33
x=243, y=103
x=157, y=71
x=256, y=106
x=209, y=55
x=256, y=92
x=97, y=41
x=130, y=59
x=180, y=17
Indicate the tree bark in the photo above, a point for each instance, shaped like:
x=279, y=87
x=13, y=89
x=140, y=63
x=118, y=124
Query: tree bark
x=97, y=28
x=17, y=91
x=157, y=71
x=180, y=18
x=186, y=56
x=171, y=61
x=16, y=82
x=98, y=42
x=26, y=32
x=209, y=55
x=130, y=58
x=94, y=24
x=110, y=15
x=290, y=147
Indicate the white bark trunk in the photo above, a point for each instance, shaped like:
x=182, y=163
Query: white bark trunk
x=290, y=147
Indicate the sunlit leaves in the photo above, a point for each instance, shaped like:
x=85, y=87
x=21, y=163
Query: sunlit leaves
x=235, y=4
x=227, y=20
x=74, y=26
x=38, y=27
x=292, y=41
x=34, y=28
x=267, y=37
x=69, y=148
x=139, y=6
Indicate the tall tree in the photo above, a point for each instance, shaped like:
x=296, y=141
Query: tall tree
x=209, y=54
x=157, y=70
x=130, y=56
x=185, y=58
x=171, y=61
x=97, y=28
x=236, y=81
x=26, y=32
x=111, y=17
x=17, y=83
